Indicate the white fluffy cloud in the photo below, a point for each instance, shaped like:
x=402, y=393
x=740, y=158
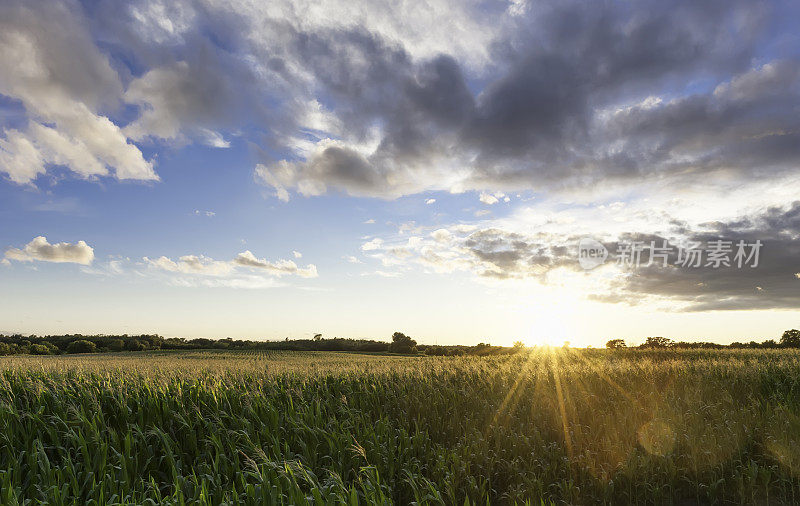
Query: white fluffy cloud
x=62, y=252
x=62, y=80
x=488, y=199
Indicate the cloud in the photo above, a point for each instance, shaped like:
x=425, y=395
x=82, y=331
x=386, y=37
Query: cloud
x=244, y=271
x=579, y=92
x=772, y=284
x=383, y=274
x=192, y=99
x=297, y=254
x=352, y=259
x=488, y=199
x=382, y=99
x=713, y=132
x=546, y=253
x=372, y=244
x=62, y=80
x=62, y=252
x=280, y=267
x=192, y=264
x=493, y=198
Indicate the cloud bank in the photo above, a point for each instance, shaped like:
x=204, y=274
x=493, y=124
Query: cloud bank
x=502, y=251
x=383, y=99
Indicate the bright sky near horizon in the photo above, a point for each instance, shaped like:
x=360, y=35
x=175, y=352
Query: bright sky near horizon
x=263, y=170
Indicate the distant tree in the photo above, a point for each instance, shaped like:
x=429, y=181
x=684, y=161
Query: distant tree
x=39, y=349
x=202, y=342
x=116, y=345
x=81, y=346
x=175, y=343
x=616, y=343
x=134, y=345
x=519, y=345
x=401, y=343
x=658, y=342
x=317, y=337
x=791, y=339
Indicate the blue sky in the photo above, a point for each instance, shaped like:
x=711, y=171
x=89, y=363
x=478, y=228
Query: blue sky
x=262, y=171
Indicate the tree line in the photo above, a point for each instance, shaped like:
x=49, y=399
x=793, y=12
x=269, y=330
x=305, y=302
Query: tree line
x=18, y=344
x=789, y=339
x=400, y=343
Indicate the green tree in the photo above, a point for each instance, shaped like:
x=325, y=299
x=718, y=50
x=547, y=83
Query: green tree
x=401, y=343
x=616, y=343
x=81, y=346
x=39, y=349
x=658, y=342
x=135, y=345
x=116, y=345
x=791, y=339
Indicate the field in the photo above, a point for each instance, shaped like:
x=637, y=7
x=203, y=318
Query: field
x=548, y=426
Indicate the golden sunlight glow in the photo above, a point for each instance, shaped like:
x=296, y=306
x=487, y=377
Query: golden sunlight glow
x=552, y=321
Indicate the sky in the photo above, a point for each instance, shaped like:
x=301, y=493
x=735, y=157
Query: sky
x=264, y=170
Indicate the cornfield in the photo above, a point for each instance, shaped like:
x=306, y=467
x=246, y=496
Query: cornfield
x=541, y=427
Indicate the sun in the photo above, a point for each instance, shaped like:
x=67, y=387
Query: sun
x=551, y=322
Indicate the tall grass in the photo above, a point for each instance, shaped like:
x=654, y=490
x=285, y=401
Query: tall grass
x=550, y=426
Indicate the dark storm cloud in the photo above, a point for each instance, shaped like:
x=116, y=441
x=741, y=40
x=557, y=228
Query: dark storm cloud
x=750, y=124
x=567, y=99
x=773, y=283
x=544, y=119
